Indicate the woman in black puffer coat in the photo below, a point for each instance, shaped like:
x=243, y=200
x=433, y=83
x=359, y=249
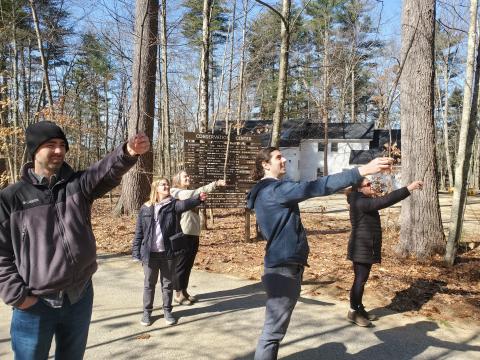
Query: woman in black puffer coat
x=365, y=244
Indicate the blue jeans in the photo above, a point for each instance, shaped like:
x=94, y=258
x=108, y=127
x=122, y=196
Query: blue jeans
x=32, y=329
x=282, y=285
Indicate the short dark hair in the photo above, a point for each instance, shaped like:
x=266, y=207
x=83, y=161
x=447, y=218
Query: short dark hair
x=263, y=155
x=355, y=187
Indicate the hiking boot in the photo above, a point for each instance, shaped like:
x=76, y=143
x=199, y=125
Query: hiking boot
x=182, y=299
x=366, y=314
x=146, y=318
x=169, y=318
x=357, y=318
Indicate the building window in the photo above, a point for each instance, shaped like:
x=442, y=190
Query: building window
x=319, y=172
x=334, y=147
x=321, y=147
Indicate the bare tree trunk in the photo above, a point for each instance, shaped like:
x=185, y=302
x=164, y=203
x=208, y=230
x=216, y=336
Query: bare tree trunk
x=136, y=183
x=352, y=115
x=222, y=78
x=230, y=72
x=326, y=92
x=43, y=59
x=282, y=74
x=421, y=231
x=467, y=134
x=445, y=136
x=160, y=159
x=26, y=89
x=242, y=67
x=107, y=118
x=165, y=93
x=204, y=67
x=16, y=100
x=204, y=72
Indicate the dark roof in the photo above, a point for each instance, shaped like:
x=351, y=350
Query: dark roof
x=340, y=131
x=293, y=131
x=361, y=157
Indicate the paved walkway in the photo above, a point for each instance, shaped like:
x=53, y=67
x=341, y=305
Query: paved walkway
x=227, y=320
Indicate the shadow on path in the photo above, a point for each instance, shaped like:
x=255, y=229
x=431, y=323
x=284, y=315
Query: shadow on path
x=418, y=294
x=400, y=343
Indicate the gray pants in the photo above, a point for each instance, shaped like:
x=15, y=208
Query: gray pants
x=282, y=285
x=158, y=262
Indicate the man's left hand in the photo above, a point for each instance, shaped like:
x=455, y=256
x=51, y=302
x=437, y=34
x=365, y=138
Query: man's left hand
x=138, y=144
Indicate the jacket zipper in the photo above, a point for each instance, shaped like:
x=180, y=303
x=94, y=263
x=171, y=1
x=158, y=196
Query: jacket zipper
x=66, y=246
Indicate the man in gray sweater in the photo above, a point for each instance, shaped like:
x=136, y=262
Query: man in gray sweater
x=47, y=246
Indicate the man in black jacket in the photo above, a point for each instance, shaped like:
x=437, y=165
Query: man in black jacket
x=47, y=246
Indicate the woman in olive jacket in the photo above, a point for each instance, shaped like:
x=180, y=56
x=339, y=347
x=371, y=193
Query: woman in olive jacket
x=365, y=244
x=190, y=223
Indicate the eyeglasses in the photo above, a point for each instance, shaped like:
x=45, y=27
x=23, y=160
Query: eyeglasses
x=368, y=184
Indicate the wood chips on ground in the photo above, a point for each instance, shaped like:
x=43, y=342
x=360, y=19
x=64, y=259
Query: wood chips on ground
x=404, y=285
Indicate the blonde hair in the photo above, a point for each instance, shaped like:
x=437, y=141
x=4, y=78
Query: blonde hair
x=176, y=180
x=153, y=198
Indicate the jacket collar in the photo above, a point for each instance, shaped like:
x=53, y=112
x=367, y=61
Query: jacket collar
x=64, y=174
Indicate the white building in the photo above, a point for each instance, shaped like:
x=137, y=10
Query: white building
x=349, y=145
x=302, y=144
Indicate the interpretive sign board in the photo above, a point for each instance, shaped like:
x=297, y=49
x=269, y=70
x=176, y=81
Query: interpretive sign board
x=205, y=156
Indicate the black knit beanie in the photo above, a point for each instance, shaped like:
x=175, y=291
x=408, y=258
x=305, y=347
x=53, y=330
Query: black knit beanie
x=40, y=132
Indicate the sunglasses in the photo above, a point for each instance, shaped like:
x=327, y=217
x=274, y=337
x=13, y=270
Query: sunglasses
x=368, y=184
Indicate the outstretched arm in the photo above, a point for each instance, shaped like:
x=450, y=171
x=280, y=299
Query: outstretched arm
x=294, y=192
x=188, y=204
x=290, y=192
x=372, y=204
x=107, y=173
x=183, y=194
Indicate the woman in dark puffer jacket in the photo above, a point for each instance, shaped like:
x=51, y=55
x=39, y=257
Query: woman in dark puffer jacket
x=365, y=244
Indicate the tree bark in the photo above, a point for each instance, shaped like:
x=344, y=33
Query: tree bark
x=136, y=183
x=282, y=74
x=326, y=91
x=204, y=66
x=204, y=78
x=165, y=98
x=43, y=59
x=228, y=118
x=466, y=137
x=421, y=233
x=242, y=67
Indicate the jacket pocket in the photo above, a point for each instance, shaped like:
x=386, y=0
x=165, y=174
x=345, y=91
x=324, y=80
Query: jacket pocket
x=24, y=261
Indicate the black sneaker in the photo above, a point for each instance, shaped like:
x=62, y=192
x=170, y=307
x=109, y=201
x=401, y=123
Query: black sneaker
x=169, y=318
x=146, y=318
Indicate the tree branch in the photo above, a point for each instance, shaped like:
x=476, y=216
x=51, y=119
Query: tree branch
x=276, y=12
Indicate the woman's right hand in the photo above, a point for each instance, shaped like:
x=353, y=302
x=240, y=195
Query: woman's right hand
x=203, y=196
x=416, y=185
x=375, y=166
